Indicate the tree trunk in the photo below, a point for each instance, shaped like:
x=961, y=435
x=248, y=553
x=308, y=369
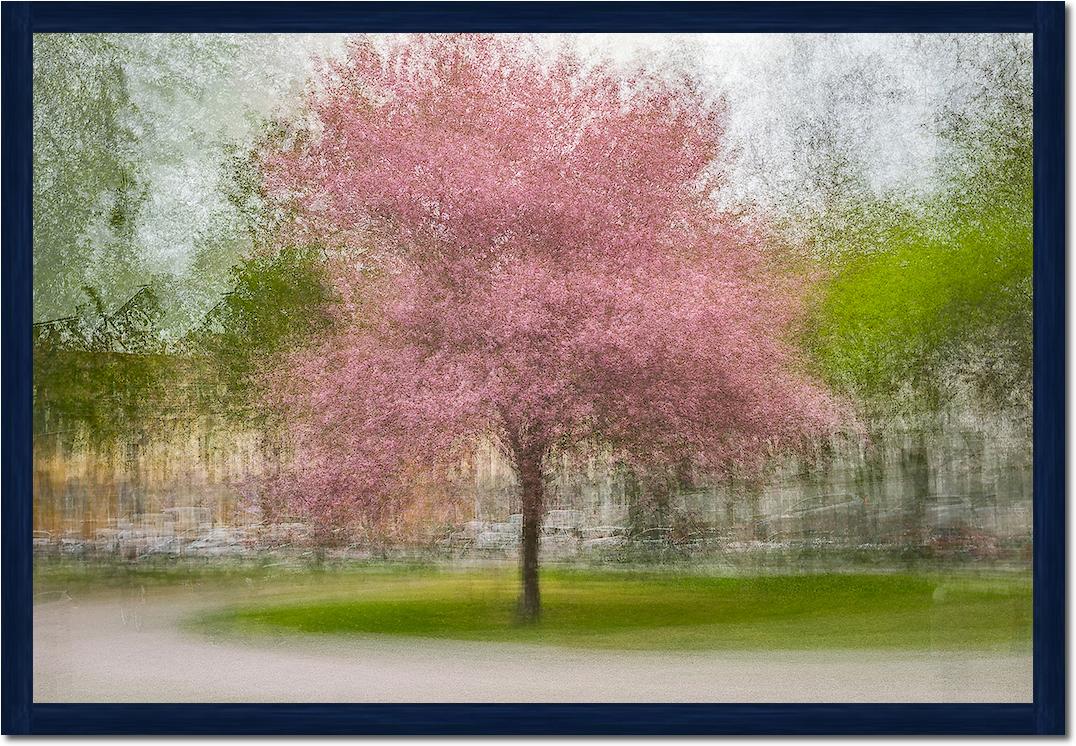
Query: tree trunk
x=530, y=473
x=915, y=477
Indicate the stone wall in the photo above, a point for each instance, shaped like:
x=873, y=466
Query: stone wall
x=904, y=484
x=188, y=480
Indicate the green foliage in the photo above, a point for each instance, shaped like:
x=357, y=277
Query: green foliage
x=277, y=300
x=104, y=374
x=897, y=318
x=87, y=188
x=109, y=375
x=110, y=395
x=945, y=302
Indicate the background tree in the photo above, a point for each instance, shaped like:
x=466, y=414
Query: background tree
x=941, y=307
x=139, y=149
x=926, y=306
x=103, y=374
x=528, y=254
x=277, y=299
x=87, y=188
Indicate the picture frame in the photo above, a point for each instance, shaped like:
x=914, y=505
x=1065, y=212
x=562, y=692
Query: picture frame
x=1044, y=716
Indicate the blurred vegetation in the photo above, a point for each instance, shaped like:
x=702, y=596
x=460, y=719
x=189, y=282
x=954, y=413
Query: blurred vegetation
x=278, y=300
x=279, y=296
x=921, y=305
x=108, y=364
x=896, y=320
x=101, y=373
x=111, y=375
x=87, y=190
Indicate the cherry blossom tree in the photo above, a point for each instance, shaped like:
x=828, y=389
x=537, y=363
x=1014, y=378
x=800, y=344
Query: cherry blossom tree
x=526, y=252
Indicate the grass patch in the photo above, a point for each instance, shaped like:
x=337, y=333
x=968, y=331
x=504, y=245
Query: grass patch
x=617, y=610
x=212, y=574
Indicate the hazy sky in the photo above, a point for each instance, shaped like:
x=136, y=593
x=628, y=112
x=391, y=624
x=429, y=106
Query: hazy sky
x=880, y=96
x=876, y=99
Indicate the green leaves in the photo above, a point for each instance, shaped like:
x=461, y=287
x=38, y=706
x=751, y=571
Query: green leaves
x=894, y=319
x=104, y=371
x=87, y=185
x=929, y=299
x=277, y=300
x=936, y=301
x=947, y=299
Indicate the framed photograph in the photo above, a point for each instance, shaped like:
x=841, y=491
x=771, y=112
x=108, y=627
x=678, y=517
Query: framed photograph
x=533, y=368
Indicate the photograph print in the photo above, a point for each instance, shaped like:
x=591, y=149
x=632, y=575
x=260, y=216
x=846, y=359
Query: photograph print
x=461, y=368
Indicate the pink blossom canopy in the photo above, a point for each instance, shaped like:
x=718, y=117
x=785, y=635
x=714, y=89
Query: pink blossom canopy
x=527, y=251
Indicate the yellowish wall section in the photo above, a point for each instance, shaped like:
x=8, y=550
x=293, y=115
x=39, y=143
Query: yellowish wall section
x=202, y=477
x=193, y=475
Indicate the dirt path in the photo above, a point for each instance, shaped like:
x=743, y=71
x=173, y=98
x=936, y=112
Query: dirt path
x=132, y=649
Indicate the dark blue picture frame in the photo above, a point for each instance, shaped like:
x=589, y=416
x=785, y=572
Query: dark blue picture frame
x=1046, y=715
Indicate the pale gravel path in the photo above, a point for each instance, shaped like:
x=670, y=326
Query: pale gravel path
x=132, y=649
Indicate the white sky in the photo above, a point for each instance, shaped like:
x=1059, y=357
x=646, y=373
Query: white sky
x=873, y=97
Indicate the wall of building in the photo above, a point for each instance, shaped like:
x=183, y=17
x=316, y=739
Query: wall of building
x=906, y=483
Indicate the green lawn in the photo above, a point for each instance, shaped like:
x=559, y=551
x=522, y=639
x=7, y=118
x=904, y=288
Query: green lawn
x=620, y=610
